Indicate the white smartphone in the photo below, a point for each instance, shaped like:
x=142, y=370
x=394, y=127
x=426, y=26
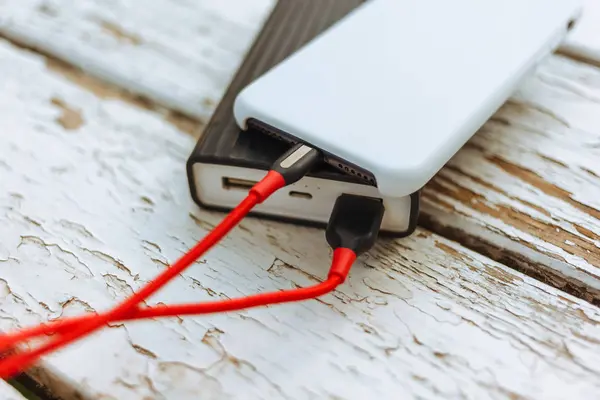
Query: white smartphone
x=393, y=90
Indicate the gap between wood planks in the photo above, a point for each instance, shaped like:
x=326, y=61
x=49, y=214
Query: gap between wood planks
x=194, y=127
x=30, y=389
x=97, y=85
x=511, y=259
x=577, y=57
x=106, y=90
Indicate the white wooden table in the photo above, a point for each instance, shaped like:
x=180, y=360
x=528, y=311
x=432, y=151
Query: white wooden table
x=495, y=296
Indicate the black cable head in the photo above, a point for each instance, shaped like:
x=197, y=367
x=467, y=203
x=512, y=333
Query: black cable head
x=354, y=223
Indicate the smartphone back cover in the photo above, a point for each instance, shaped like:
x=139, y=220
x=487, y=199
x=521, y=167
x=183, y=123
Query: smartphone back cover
x=398, y=86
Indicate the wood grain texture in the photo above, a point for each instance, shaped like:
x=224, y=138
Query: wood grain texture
x=526, y=188
x=7, y=392
x=89, y=213
x=178, y=53
x=584, y=42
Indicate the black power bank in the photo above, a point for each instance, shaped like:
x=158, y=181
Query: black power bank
x=227, y=161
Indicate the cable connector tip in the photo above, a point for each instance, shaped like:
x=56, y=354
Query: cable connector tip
x=297, y=162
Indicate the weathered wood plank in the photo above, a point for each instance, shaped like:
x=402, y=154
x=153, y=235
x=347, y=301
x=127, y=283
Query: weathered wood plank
x=584, y=42
x=181, y=54
x=94, y=203
x=526, y=189
x=7, y=392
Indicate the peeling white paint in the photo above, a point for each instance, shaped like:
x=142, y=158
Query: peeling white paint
x=88, y=215
x=181, y=54
x=584, y=41
x=534, y=172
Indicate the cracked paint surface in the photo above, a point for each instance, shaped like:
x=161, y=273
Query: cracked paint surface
x=99, y=205
x=86, y=218
x=183, y=60
x=525, y=189
x=539, y=216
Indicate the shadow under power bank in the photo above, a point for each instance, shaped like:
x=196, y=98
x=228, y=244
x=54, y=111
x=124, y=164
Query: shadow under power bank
x=226, y=161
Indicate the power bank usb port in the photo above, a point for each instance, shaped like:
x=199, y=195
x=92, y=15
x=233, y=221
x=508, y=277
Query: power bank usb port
x=237, y=183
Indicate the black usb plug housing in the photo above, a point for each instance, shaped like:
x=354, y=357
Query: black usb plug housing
x=354, y=223
x=297, y=162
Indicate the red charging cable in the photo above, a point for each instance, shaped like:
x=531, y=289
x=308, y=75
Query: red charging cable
x=289, y=168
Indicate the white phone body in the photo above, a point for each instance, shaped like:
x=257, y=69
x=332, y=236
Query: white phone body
x=398, y=86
